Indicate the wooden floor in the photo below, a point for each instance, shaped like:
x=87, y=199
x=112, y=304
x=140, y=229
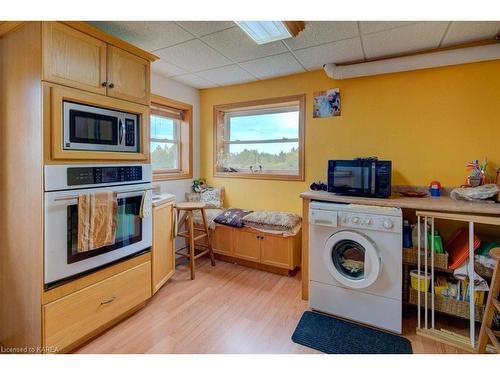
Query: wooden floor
x=226, y=309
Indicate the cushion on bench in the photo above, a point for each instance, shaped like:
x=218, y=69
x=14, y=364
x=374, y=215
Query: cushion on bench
x=272, y=220
x=211, y=213
x=213, y=198
x=232, y=217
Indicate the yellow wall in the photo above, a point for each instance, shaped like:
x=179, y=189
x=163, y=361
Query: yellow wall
x=428, y=122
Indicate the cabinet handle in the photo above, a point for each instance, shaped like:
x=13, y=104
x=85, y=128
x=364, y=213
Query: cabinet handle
x=104, y=84
x=108, y=301
x=111, y=85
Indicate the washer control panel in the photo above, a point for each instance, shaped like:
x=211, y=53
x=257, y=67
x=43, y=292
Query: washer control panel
x=367, y=221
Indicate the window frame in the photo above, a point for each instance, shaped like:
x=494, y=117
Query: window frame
x=222, y=114
x=184, y=142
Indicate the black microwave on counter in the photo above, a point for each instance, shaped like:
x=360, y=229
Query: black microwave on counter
x=360, y=177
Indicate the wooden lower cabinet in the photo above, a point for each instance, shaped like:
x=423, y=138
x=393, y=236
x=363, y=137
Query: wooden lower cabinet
x=69, y=321
x=246, y=245
x=280, y=252
x=222, y=240
x=162, y=252
x=257, y=247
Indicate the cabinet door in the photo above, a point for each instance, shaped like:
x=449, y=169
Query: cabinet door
x=162, y=252
x=73, y=58
x=277, y=251
x=246, y=245
x=222, y=238
x=128, y=76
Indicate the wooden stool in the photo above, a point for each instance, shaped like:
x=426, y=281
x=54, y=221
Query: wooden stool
x=491, y=305
x=185, y=211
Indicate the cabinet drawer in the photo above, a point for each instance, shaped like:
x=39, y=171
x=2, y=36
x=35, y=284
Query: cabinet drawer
x=77, y=315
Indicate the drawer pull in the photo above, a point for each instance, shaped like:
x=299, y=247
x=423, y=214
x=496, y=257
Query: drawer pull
x=108, y=301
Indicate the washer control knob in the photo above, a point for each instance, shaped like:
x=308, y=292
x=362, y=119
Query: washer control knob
x=367, y=221
x=355, y=220
x=388, y=224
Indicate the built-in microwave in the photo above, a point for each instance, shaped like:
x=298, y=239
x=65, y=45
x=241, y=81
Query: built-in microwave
x=360, y=177
x=92, y=128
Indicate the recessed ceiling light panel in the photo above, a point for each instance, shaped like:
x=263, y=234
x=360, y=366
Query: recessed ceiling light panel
x=269, y=31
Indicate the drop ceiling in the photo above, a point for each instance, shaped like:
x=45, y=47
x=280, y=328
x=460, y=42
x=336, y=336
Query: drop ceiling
x=205, y=54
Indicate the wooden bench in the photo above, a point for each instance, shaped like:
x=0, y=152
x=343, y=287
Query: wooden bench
x=256, y=249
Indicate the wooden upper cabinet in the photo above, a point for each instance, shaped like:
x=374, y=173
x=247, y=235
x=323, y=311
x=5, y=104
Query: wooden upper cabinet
x=128, y=76
x=73, y=58
x=76, y=59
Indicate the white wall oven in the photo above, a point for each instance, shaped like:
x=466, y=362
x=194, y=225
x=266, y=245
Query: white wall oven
x=63, y=185
x=92, y=128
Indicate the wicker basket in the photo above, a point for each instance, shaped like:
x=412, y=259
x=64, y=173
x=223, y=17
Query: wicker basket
x=447, y=305
x=482, y=270
x=441, y=262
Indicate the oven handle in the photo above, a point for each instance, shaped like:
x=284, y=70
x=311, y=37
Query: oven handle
x=70, y=197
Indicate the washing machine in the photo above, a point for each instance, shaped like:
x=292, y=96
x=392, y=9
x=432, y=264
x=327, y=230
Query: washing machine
x=355, y=260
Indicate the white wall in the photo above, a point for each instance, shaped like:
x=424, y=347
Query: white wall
x=178, y=91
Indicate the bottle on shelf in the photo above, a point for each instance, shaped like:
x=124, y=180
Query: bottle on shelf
x=407, y=236
x=438, y=242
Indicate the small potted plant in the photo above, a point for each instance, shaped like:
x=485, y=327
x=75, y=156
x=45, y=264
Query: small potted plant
x=477, y=173
x=199, y=185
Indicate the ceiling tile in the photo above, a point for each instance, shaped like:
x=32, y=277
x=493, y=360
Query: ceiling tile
x=468, y=31
x=336, y=52
x=273, y=66
x=415, y=37
x=376, y=26
x=166, y=69
x=194, y=81
x=238, y=46
x=201, y=28
x=149, y=35
x=319, y=32
x=226, y=75
x=193, y=56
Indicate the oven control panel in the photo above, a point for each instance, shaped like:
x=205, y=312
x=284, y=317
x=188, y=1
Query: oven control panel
x=102, y=175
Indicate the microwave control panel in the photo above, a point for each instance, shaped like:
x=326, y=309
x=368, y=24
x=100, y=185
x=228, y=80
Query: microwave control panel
x=103, y=175
x=129, y=132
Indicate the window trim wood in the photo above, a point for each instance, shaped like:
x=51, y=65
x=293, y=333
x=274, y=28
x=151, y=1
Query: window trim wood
x=218, y=134
x=185, y=170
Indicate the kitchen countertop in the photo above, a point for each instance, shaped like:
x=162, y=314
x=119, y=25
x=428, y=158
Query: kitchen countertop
x=444, y=203
x=159, y=199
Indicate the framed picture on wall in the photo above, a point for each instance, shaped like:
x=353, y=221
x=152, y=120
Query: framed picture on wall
x=326, y=103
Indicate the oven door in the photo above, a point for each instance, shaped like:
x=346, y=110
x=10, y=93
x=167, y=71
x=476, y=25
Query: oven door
x=98, y=129
x=351, y=177
x=62, y=261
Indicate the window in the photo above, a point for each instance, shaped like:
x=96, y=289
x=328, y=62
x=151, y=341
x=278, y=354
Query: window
x=260, y=139
x=170, y=137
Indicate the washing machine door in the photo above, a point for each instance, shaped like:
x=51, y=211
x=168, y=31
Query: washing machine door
x=352, y=259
